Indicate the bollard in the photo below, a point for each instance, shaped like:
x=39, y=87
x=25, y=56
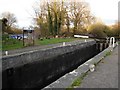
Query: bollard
x=63, y=43
x=92, y=67
x=6, y=52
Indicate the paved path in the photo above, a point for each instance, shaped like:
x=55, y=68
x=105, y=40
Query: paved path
x=31, y=48
x=106, y=74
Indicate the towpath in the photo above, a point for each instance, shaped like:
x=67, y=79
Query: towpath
x=105, y=75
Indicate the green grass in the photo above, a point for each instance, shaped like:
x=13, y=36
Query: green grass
x=107, y=54
x=77, y=81
x=11, y=44
x=54, y=41
x=0, y=44
x=118, y=42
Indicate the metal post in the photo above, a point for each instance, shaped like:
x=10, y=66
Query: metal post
x=33, y=38
x=23, y=37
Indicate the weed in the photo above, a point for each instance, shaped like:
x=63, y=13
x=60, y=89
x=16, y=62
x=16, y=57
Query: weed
x=77, y=81
x=107, y=54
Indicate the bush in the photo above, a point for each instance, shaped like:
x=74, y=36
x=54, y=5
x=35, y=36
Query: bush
x=99, y=30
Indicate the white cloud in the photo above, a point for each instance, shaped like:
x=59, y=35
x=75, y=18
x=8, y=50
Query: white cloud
x=105, y=9
x=21, y=8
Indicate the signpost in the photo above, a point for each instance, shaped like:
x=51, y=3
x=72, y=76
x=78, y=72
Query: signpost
x=28, y=36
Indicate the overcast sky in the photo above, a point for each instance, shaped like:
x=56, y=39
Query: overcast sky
x=107, y=10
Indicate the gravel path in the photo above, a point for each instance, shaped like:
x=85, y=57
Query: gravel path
x=31, y=48
x=105, y=75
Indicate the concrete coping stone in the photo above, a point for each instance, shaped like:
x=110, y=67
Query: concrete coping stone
x=71, y=76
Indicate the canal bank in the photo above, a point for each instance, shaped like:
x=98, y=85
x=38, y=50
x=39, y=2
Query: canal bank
x=104, y=76
x=36, y=69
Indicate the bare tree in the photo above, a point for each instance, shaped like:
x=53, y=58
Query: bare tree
x=10, y=17
x=4, y=25
x=80, y=15
x=52, y=16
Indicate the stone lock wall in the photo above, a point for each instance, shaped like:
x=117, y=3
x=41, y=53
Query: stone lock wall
x=39, y=68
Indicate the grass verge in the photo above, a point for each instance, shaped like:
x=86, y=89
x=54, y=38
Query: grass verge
x=11, y=44
x=54, y=41
x=77, y=81
x=107, y=54
x=119, y=43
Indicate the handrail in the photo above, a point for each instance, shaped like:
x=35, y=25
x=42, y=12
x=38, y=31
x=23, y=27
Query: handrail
x=112, y=42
